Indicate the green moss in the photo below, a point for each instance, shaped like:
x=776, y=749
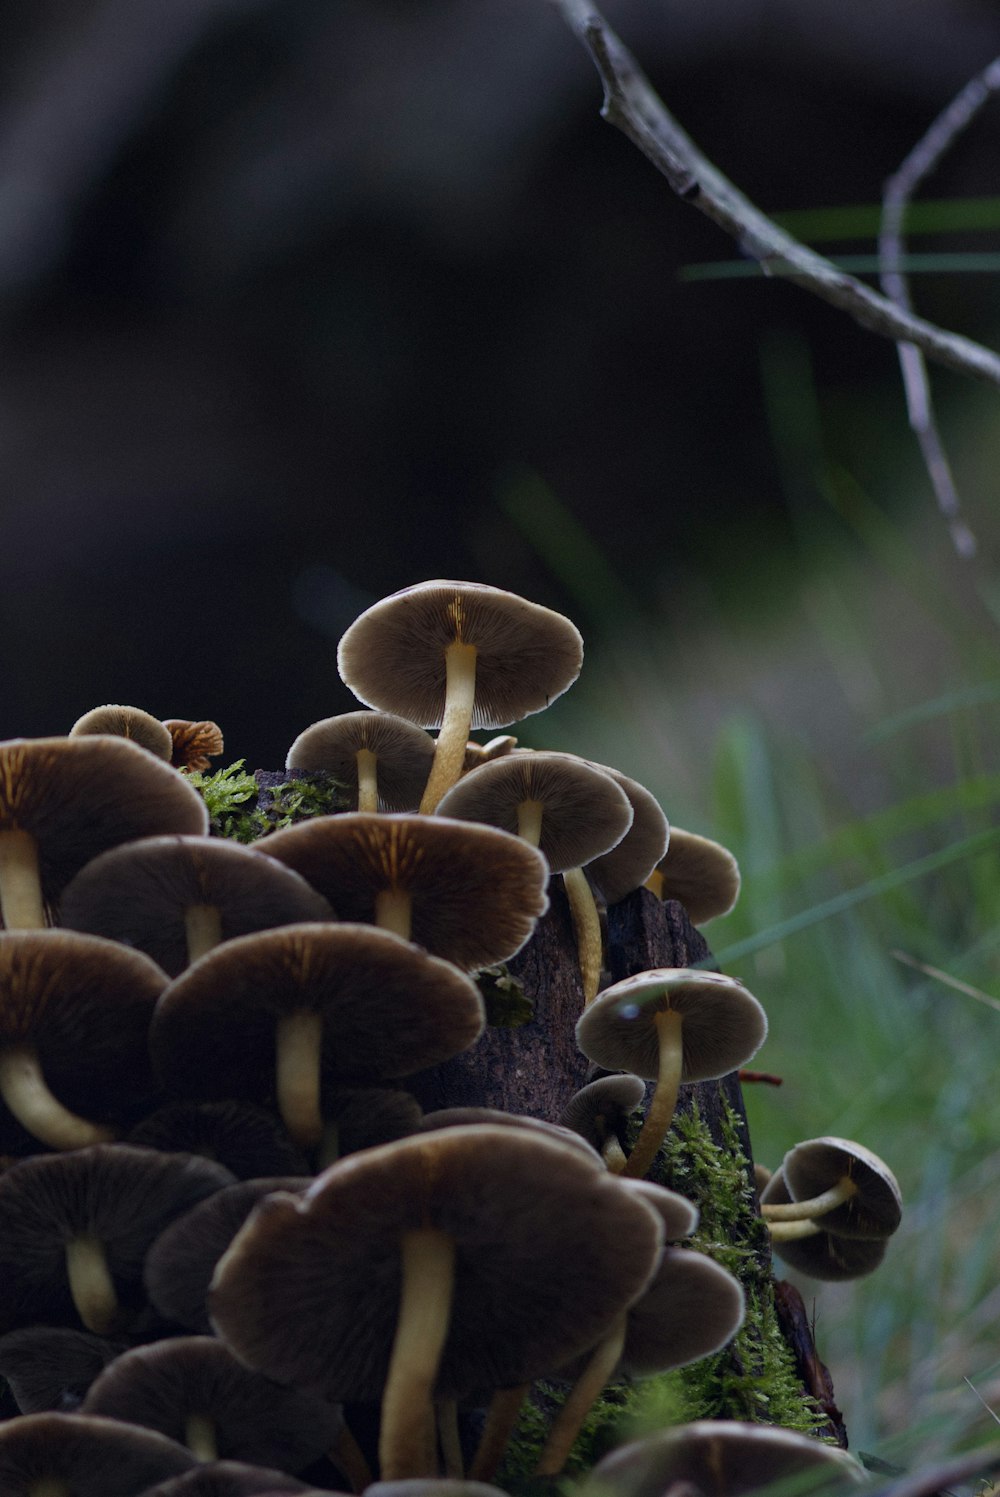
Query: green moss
x=753, y=1378
x=507, y=1004
x=244, y=807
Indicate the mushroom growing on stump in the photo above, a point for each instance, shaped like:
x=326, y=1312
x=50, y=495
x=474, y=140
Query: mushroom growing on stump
x=598, y=1111
x=671, y=1024
x=64, y=800
x=702, y=874
x=429, y=1268
x=811, y=1250
x=458, y=655
x=383, y=758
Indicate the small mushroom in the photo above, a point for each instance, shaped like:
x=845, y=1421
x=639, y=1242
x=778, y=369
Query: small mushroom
x=598, y=1111
x=458, y=655
x=194, y=744
x=702, y=874
x=812, y=1250
x=78, y=1455
x=49, y=1368
x=841, y=1185
x=127, y=722
x=385, y=759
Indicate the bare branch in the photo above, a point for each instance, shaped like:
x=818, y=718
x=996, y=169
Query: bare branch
x=896, y=196
x=631, y=104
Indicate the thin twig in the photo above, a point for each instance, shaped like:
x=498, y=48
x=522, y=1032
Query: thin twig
x=631, y=104
x=896, y=196
x=947, y=979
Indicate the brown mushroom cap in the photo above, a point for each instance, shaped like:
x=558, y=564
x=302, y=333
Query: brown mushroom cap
x=821, y=1255
x=475, y=894
x=248, y=1140
x=402, y=754
x=630, y=862
x=84, y=1456
x=718, y=1458
x=49, y=1368
x=146, y=893
x=180, y=1386
x=724, y=1025
x=109, y=1194
x=503, y=1195
x=233, y=1479
x=702, y=874
x=873, y=1210
x=195, y=744
x=74, y=1017
x=462, y=1117
x=597, y=1109
x=583, y=812
x=388, y=1009
x=393, y=656
x=692, y=1308
x=72, y=798
x=179, y=1266
x=127, y=722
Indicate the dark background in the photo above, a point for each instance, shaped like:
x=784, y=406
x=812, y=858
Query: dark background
x=302, y=302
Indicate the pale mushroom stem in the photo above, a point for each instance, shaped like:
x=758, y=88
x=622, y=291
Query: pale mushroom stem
x=329, y=1149
x=791, y=1231
x=298, y=1047
x=529, y=821
x=394, y=911
x=367, y=780
x=456, y=724
x=449, y=1439
x=51, y=1486
x=347, y=1455
x=655, y=883
x=202, y=929
x=199, y=1437
x=613, y=1154
x=569, y=1421
x=669, y=1024
x=827, y=1200
x=501, y=1421
x=406, y=1441
x=91, y=1284
x=587, y=924
x=24, y=1090
x=21, y=902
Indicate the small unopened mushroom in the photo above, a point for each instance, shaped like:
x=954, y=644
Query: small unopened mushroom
x=458, y=655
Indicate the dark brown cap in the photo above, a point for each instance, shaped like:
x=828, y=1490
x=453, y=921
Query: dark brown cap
x=819, y=1254
x=84, y=1456
x=702, y=874
x=233, y=1479
x=247, y=1140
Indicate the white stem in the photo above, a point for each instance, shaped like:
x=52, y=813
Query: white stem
x=449, y=1439
x=203, y=929
x=24, y=1090
x=670, y=1024
x=394, y=911
x=569, y=1421
x=21, y=902
x=791, y=1231
x=501, y=1421
x=367, y=780
x=298, y=1048
x=91, y=1284
x=199, y=1437
x=406, y=1443
x=456, y=724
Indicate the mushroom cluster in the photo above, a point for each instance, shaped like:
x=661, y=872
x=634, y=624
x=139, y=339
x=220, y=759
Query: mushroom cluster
x=236, y=1255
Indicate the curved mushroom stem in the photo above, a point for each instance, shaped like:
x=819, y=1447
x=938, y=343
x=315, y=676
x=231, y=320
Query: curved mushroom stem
x=569, y=1420
x=199, y=1437
x=202, y=928
x=789, y=1231
x=669, y=1025
x=406, y=1441
x=450, y=1440
x=394, y=911
x=501, y=1421
x=367, y=780
x=797, y=1211
x=91, y=1284
x=456, y=724
x=26, y=1093
x=298, y=1046
x=21, y=904
x=587, y=924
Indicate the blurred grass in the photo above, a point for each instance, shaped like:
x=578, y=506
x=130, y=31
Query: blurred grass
x=848, y=756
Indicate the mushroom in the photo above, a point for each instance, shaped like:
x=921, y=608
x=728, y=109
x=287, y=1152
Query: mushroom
x=127, y=722
x=468, y=894
x=702, y=874
x=458, y=655
x=384, y=758
x=233, y=1479
x=598, y=1111
x=49, y=1368
x=841, y=1185
x=812, y=1250
x=280, y=1012
x=670, y=1024
x=64, y=800
x=177, y=897
x=77, y=1455
x=423, y=1268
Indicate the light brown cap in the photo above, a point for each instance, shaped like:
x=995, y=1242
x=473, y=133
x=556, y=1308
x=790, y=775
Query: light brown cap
x=393, y=656
x=140, y=893
x=678, y=1214
x=584, y=812
x=702, y=874
x=93, y=1457
x=692, y=1308
x=718, y=1458
x=548, y=1251
x=195, y=744
x=476, y=894
x=127, y=722
x=724, y=1025
x=817, y=1164
x=402, y=750
x=822, y=1255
